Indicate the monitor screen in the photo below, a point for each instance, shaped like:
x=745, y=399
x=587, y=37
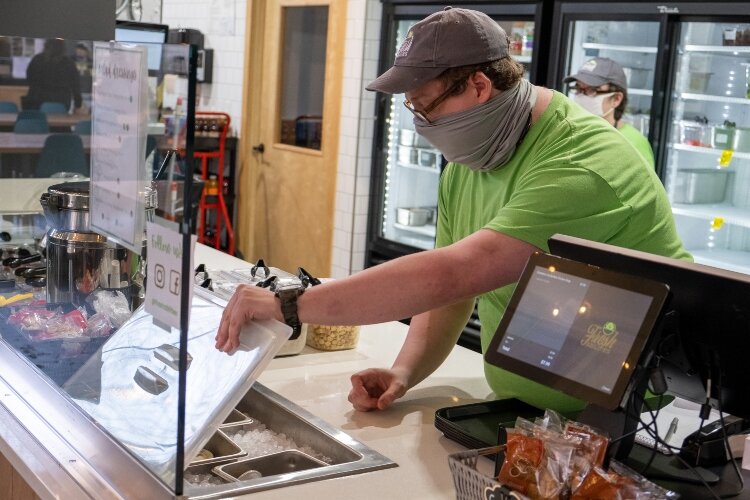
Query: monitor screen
x=577, y=328
x=151, y=36
x=706, y=325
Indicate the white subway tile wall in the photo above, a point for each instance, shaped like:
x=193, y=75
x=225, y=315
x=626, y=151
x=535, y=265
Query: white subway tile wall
x=224, y=32
x=357, y=107
x=356, y=133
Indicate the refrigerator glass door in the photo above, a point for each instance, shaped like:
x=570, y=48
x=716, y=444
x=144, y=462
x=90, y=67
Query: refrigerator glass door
x=633, y=45
x=708, y=162
x=413, y=166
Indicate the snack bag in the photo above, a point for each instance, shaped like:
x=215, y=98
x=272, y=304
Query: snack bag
x=620, y=483
x=523, y=455
x=590, y=452
x=553, y=474
x=597, y=485
x=32, y=318
x=637, y=487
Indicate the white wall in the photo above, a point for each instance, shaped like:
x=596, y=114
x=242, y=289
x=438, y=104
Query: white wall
x=357, y=111
x=223, y=24
x=356, y=135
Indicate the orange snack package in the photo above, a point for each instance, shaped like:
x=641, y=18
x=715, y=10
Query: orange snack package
x=523, y=455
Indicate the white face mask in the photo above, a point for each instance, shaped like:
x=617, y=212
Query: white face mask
x=594, y=105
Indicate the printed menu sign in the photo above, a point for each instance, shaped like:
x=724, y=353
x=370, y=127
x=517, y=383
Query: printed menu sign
x=164, y=273
x=118, y=142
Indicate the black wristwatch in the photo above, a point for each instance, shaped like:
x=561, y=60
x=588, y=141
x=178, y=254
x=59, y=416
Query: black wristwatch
x=287, y=294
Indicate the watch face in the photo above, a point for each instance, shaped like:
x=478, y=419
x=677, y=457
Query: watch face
x=283, y=284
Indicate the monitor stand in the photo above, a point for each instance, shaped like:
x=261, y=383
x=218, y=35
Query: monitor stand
x=620, y=423
x=668, y=467
x=615, y=423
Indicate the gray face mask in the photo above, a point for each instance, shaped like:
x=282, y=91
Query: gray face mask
x=483, y=137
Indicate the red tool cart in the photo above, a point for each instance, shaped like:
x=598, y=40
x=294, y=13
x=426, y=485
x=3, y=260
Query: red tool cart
x=213, y=216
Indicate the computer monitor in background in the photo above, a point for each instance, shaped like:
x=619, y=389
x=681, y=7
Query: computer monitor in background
x=151, y=36
x=706, y=327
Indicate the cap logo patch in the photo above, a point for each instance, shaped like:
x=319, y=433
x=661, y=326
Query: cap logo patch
x=589, y=65
x=403, y=51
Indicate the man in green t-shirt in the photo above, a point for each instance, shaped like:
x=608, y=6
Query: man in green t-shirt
x=525, y=163
x=601, y=87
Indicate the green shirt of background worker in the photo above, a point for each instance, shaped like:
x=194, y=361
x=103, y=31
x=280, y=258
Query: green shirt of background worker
x=601, y=88
x=525, y=163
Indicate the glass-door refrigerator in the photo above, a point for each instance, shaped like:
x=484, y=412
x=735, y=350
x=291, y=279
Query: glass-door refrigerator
x=707, y=162
x=687, y=69
x=406, y=168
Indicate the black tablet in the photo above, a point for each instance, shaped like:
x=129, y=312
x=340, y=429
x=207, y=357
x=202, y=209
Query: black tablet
x=577, y=328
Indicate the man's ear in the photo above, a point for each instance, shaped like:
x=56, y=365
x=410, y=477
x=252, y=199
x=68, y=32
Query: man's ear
x=481, y=85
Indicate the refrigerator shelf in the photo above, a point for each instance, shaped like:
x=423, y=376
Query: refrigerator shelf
x=432, y=170
x=710, y=151
x=719, y=49
x=686, y=96
x=732, y=260
x=621, y=48
x=426, y=230
x=736, y=216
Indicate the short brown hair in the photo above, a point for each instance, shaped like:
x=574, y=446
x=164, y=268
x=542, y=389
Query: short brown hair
x=504, y=74
x=620, y=110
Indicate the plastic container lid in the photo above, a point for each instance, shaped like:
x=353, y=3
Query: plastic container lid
x=133, y=394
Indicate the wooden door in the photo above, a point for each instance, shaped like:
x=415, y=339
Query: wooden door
x=290, y=133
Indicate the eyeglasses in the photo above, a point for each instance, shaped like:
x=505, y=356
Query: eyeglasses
x=422, y=115
x=589, y=91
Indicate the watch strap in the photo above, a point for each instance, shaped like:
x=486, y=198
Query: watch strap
x=288, y=299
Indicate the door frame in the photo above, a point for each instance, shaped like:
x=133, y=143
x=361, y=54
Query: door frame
x=250, y=166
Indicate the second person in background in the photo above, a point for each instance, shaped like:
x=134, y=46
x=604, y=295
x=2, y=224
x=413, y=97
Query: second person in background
x=601, y=88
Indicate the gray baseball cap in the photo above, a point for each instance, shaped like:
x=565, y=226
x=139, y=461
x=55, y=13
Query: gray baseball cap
x=446, y=39
x=598, y=71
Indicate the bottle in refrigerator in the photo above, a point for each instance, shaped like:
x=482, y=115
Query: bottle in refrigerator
x=516, y=38
x=528, y=42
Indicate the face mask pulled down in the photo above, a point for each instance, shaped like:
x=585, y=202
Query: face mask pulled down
x=483, y=137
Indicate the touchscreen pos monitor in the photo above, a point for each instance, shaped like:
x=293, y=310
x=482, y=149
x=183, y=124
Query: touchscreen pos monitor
x=577, y=328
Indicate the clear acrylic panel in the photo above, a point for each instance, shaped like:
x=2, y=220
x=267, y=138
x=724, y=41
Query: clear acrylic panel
x=708, y=162
x=305, y=40
x=66, y=289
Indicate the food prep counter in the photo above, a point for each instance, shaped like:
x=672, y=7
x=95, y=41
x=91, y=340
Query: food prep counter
x=53, y=461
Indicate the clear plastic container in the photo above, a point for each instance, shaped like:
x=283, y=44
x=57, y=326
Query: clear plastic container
x=694, y=133
x=332, y=338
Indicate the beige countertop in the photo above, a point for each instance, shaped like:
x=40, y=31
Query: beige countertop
x=318, y=382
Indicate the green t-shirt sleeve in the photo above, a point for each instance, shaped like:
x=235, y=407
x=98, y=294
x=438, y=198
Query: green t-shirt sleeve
x=639, y=142
x=561, y=199
x=443, y=233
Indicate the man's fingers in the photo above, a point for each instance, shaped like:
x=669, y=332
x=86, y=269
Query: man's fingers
x=394, y=391
x=223, y=331
x=359, y=397
x=361, y=401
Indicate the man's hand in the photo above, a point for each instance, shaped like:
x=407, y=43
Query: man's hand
x=248, y=303
x=377, y=388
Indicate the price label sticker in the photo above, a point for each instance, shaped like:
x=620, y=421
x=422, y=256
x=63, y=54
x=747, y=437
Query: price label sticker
x=717, y=222
x=726, y=158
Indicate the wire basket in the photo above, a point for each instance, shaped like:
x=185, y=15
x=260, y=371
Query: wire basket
x=470, y=483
